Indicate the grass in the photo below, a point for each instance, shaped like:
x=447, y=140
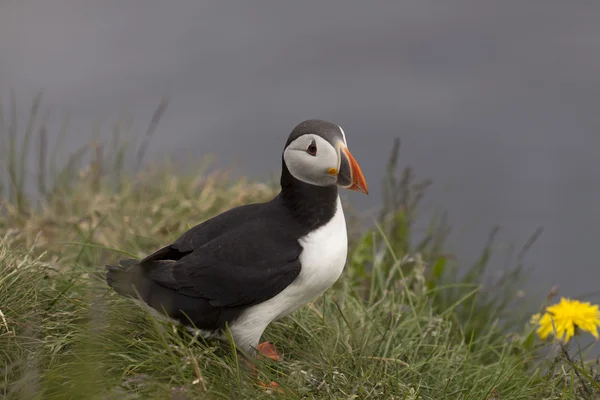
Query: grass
x=401, y=323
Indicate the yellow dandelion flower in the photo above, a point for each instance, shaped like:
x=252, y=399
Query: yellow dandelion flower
x=562, y=319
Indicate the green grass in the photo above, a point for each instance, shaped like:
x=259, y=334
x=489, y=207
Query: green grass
x=401, y=323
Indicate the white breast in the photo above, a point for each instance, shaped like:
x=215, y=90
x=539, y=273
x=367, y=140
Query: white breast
x=323, y=258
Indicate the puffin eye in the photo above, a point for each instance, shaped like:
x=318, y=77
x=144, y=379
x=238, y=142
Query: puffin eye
x=312, y=148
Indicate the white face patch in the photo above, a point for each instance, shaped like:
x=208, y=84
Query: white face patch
x=343, y=135
x=309, y=168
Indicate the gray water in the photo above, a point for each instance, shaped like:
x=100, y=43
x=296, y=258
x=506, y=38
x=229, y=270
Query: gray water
x=497, y=102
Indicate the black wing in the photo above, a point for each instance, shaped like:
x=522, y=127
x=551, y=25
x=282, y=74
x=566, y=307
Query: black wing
x=231, y=260
x=208, y=230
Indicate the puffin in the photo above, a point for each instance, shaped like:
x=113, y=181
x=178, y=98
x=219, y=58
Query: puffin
x=258, y=262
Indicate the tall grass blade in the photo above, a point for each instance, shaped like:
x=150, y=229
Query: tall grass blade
x=64, y=128
x=33, y=112
x=43, y=155
x=12, y=151
x=158, y=113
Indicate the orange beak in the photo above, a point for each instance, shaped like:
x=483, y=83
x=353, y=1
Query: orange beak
x=349, y=174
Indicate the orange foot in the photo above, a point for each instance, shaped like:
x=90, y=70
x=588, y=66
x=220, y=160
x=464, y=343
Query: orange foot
x=267, y=349
x=271, y=385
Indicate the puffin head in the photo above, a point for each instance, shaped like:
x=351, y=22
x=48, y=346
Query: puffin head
x=316, y=153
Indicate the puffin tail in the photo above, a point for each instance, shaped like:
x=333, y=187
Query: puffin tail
x=123, y=277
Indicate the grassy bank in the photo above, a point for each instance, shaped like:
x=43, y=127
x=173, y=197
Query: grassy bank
x=399, y=324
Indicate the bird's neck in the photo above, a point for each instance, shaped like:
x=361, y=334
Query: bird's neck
x=312, y=206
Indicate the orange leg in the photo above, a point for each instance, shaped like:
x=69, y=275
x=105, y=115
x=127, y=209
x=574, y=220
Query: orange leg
x=268, y=350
